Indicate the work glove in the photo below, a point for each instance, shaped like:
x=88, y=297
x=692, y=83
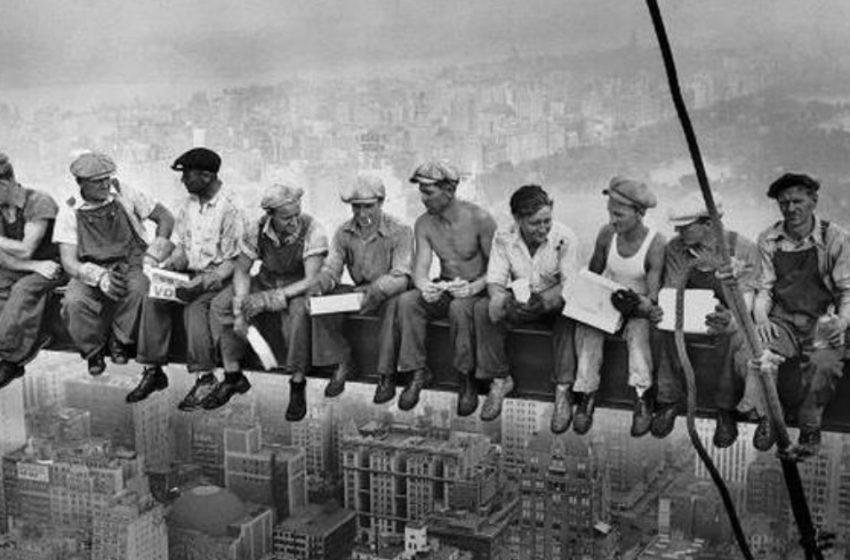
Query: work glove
x=190, y=291
x=721, y=321
x=626, y=302
x=114, y=283
x=258, y=302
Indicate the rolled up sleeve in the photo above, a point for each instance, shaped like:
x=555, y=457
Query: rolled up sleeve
x=568, y=261
x=839, y=250
x=316, y=243
x=335, y=262
x=398, y=278
x=232, y=233
x=248, y=240
x=499, y=268
x=767, y=276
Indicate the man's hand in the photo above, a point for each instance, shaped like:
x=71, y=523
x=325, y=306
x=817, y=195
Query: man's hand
x=732, y=271
x=459, y=288
x=431, y=293
x=240, y=326
x=766, y=331
x=626, y=302
x=655, y=314
x=191, y=290
x=150, y=262
x=314, y=290
x=525, y=312
x=720, y=321
x=254, y=304
x=113, y=284
x=837, y=332
x=498, y=307
x=49, y=269
x=372, y=298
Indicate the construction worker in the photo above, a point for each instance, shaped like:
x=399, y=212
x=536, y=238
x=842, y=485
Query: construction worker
x=801, y=310
x=102, y=243
x=377, y=250
x=29, y=269
x=291, y=247
x=632, y=255
x=532, y=263
x=459, y=233
x=695, y=247
x=208, y=230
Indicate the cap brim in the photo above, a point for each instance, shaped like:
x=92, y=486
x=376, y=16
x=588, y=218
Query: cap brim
x=361, y=200
x=423, y=180
x=680, y=222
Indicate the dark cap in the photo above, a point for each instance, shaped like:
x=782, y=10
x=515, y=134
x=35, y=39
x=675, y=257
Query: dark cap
x=202, y=159
x=792, y=180
x=6, y=170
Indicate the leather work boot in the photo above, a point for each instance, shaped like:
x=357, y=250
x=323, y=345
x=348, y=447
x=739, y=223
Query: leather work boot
x=467, y=396
x=499, y=389
x=410, y=395
x=97, y=363
x=764, y=436
x=117, y=352
x=642, y=417
x=583, y=419
x=664, y=419
x=9, y=372
x=204, y=384
x=725, y=429
x=562, y=411
x=808, y=442
x=297, y=408
x=153, y=379
x=337, y=383
x=385, y=390
x=234, y=383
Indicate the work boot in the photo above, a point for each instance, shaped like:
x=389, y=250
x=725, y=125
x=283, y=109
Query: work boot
x=337, y=383
x=117, y=352
x=234, y=383
x=385, y=390
x=562, y=411
x=500, y=388
x=153, y=379
x=764, y=436
x=642, y=417
x=97, y=363
x=204, y=384
x=410, y=395
x=467, y=396
x=725, y=429
x=297, y=408
x=584, y=412
x=808, y=442
x=9, y=372
x=664, y=419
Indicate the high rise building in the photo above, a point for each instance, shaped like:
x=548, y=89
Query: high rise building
x=521, y=419
x=275, y=476
x=44, y=383
x=486, y=536
x=317, y=532
x=766, y=492
x=13, y=434
x=316, y=434
x=55, y=423
x=211, y=523
x=130, y=527
x=395, y=474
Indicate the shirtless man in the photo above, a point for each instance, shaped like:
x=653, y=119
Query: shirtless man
x=631, y=254
x=459, y=233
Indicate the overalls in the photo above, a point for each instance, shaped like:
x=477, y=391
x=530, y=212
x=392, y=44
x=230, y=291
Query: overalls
x=23, y=295
x=281, y=265
x=105, y=237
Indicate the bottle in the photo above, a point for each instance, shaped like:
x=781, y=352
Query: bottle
x=824, y=328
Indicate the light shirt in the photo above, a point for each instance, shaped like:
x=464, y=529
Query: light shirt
x=208, y=232
x=315, y=240
x=138, y=206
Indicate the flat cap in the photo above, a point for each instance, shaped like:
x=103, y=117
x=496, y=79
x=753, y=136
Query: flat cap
x=202, y=159
x=6, y=170
x=93, y=166
x=434, y=171
x=279, y=195
x=631, y=192
x=792, y=180
x=367, y=188
x=691, y=208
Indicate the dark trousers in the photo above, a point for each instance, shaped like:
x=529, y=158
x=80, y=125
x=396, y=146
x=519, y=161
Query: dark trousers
x=90, y=315
x=201, y=335
x=492, y=357
x=22, y=300
x=670, y=376
x=413, y=315
x=330, y=346
x=294, y=324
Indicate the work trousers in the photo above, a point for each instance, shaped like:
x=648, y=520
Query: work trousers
x=589, y=349
x=330, y=346
x=413, y=316
x=22, y=300
x=294, y=323
x=90, y=315
x=202, y=332
x=669, y=373
x=490, y=337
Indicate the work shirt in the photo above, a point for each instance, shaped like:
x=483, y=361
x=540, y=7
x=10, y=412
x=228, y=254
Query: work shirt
x=833, y=252
x=384, y=257
x=208, y=231
x=554, y=262
x=29, y=205
x=315, y=238
x=137, y=205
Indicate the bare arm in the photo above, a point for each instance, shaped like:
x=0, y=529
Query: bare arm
x=164, y=220
x=23, y=249
x=486, y=230
x=655, y=267
x=422, y=257
x=600, y=250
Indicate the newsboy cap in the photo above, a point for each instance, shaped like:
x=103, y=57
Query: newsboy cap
x=6, y=170
x=792, y=180
x=631, y=192
x=367, y=188
x=202, y=159
x=92, y=166
x=278, y=195
x=691, y=208
x=433, y=171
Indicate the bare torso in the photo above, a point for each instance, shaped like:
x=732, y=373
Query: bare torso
x=458, y=242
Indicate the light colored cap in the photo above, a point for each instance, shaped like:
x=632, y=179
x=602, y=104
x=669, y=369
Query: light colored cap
x=367, y=188
x=631, y=192
x=93, y=166
x=691, y=208
x=434, y=171
x=279, y=195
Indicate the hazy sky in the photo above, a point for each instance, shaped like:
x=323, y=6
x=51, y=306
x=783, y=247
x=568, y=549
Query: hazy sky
x=82, y=41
